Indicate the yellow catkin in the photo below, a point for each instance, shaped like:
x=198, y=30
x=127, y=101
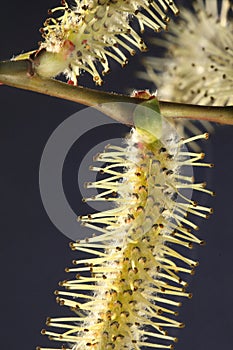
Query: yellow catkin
x=198, y=64
x=82, y=37
x=126, y=291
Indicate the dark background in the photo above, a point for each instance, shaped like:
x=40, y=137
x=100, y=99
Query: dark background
x=33, y=253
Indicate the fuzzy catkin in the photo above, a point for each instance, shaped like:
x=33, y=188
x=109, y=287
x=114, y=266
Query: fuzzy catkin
x=83, y=36
x=198, y=63
x=128, y=300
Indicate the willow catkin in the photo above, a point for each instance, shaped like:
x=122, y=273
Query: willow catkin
x=198, y=63
x=125, y=292
x=82, y=37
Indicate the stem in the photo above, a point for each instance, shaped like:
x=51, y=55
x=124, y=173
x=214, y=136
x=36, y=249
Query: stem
x=222, y=115
x=19, y=74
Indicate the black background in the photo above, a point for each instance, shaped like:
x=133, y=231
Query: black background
x=33, y=253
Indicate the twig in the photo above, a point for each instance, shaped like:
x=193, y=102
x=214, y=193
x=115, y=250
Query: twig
x=119, y=107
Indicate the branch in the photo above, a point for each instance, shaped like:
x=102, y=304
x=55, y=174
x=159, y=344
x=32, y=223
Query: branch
x=222, y=115
x=19, y=74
